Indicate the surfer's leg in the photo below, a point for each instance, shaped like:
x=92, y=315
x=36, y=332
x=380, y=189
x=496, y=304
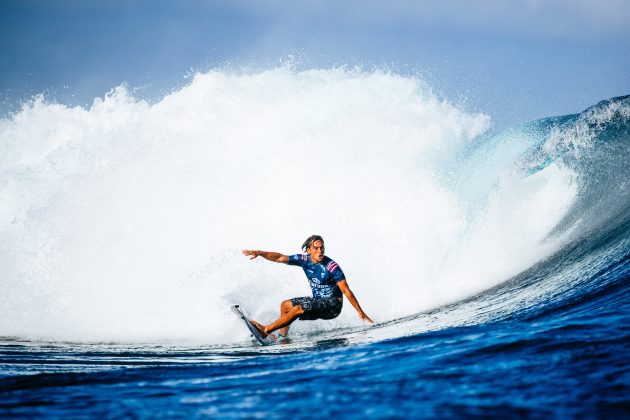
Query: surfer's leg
x=285, y=320
x=285, y=308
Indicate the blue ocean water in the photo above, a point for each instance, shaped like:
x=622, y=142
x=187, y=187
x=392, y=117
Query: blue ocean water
x=551, y=341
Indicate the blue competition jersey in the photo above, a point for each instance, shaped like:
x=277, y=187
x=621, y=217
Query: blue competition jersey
x=322, y=278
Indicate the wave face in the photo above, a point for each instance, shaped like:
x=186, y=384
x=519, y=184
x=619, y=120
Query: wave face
x=125, y=221
x=497, y=264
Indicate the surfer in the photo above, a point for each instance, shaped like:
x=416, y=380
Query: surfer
x=327, y=282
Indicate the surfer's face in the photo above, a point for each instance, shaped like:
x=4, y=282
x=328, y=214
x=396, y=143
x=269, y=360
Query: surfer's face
x=316, y=251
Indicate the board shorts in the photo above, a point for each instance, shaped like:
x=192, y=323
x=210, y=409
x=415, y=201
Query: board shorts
x=318, y=308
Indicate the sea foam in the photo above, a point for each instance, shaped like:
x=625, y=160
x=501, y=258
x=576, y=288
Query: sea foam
x=125, y=221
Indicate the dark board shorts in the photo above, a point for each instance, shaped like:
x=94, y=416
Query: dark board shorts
x=318, y=308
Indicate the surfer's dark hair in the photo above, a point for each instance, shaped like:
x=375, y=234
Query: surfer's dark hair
x=309, y=241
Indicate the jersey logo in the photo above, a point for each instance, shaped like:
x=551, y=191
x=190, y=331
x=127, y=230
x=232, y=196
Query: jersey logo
x=332, y=266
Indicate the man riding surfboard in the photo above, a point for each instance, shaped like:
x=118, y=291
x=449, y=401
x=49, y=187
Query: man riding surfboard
x=327, y=283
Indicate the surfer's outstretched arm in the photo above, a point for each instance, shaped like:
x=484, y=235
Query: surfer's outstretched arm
x=343, y=285
x=271, y=256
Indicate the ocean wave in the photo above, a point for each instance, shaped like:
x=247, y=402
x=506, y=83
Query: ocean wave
x=124, y=221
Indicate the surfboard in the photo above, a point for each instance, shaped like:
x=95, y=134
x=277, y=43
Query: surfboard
x=265, y=341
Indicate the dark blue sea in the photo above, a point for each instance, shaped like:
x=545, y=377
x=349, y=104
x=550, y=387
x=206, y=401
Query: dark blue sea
x=551, y=341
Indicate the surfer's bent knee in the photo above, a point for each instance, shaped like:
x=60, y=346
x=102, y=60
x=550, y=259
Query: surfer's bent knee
x=297, y=309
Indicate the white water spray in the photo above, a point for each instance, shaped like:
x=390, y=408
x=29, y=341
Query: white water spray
x=125, y=221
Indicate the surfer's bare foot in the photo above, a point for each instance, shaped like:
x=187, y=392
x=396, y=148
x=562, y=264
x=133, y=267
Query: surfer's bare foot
x=259, y=327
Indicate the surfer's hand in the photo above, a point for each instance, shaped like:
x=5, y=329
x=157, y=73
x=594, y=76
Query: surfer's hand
x=366, y=318
x=250, y=254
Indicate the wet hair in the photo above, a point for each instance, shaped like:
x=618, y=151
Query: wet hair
x=309, y=241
